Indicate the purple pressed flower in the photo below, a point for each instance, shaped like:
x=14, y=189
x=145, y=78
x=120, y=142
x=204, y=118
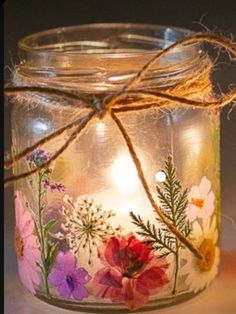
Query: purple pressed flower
x=59, y=187
x=68, y=279
x=38, y=157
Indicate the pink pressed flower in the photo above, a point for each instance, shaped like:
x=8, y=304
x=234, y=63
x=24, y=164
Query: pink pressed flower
x=59, y=187
x=69, y=280
x=27, y=248
x=132, y=272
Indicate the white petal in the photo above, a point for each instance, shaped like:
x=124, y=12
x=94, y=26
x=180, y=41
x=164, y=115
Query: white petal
x=209, y=203
x=194, y=193
x=192, y=212
x=204, y=187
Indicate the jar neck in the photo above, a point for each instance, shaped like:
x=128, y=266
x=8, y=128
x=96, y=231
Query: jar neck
x=104, y=64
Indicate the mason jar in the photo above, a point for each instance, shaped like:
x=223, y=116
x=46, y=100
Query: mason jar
x=87, y=236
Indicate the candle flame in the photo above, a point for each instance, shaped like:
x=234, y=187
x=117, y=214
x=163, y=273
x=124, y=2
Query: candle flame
x=124, y=174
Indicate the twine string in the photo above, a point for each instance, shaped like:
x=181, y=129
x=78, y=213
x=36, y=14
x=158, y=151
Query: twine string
x=80, y=127
x=126, y=100
x=10, y=162
x=215, y=40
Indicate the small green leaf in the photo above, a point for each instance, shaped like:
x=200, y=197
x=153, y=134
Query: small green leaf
x=53, y=254
x=49, y=226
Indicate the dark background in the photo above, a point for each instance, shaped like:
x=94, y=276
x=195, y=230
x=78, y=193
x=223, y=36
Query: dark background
x=23, y=17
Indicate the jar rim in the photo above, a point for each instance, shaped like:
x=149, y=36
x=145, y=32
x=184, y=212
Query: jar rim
x=32, y=43
x=104, y=56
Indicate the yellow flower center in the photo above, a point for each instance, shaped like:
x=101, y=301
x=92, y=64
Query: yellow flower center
x=198, y=202
x=19, y=244
x=207, y=250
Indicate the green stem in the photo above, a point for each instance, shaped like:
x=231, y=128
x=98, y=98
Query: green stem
x=43, y=253
x=176, y=267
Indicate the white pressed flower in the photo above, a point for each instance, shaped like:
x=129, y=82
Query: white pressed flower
x=201, y=272
x=201, y=201
x=85, y=224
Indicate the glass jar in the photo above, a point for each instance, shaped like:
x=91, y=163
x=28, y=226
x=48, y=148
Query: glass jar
x=87, y=236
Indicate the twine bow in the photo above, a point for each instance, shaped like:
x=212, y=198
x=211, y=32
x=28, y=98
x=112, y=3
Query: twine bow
x=126, y=100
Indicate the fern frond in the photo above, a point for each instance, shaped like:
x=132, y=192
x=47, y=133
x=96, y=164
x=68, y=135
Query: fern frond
x=156, y=238
x=173, y=199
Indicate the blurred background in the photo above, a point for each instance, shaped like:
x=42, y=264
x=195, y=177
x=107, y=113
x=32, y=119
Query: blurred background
x=28, y=16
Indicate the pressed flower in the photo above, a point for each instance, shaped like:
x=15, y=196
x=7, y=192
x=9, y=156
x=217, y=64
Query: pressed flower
x=38, y=157
x=201, y=201
x=200, y=272
x=85, y=224
x=131, y=274
x=67, y=278
x=26, y=246
x=59, y=187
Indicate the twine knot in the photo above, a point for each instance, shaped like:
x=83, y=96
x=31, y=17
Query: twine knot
x=104, y=105
x=99, y=106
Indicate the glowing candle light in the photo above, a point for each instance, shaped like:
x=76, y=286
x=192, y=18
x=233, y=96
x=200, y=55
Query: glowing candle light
x=124, y=174
x=100, y=127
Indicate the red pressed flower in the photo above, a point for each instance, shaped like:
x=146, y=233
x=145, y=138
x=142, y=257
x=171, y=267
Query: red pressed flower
x=132, y=272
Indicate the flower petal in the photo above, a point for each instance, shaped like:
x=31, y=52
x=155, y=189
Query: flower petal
x=56, y=277
x=66, y=261
x=151, y=279
x=32, y=256
x=27, y=225
x=194, y=193
x=64, y=290
x=192, y=212
x=80, y=293
x=25, y=277
x=34, y=274
x=32, y=242
x=209, y=202
x=140, y=251
x=132, y=298
x=81, y=275
x=204, y=187
x=107, y=284
x=112, y=252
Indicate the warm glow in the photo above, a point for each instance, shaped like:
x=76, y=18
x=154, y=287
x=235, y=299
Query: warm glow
x=100, y=127
x=124, y=174
x=126, y=208
x=160, y=176
x=193, y=136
